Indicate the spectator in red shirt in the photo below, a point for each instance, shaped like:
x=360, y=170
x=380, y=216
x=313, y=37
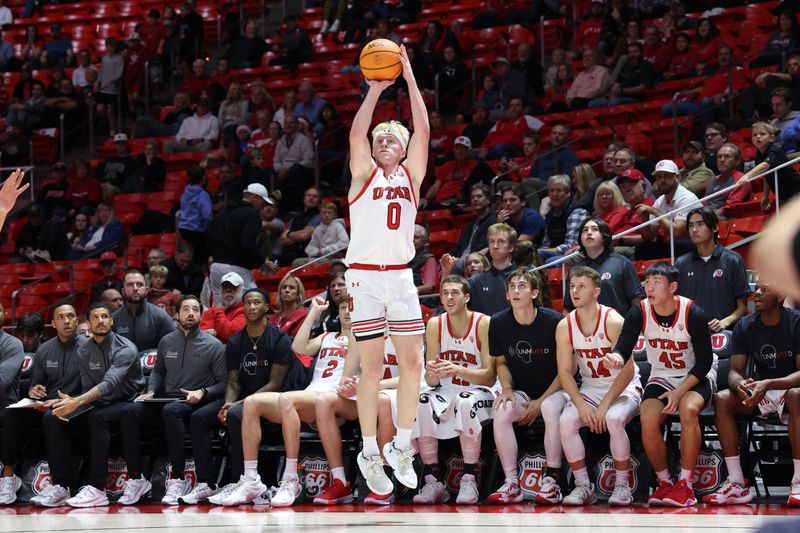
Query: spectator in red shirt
x=226, y=318
x=505, y=138
x=588, y=34
x=655, y=50
x=728, y=159
x=153, y=33
x=707, y=43
x=222, y=75
x=631, y=185
x=291, y=313
x=85, y=190
x=609, y=205
x=454, y=176
x=682, y=61
x=197, y=81
x=135, y=56
x=441, y=139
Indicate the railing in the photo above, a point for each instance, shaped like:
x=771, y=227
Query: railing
x=562, y=260
x=69, y=266
x=316, y=260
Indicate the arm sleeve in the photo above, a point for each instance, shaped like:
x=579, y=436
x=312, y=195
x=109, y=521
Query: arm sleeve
x=220, y=370
x=697, y=324
x=156, y=379
x=119, y=370
x=11, y=363
x=631, y=329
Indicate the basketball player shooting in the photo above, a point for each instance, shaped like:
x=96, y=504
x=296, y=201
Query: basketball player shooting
x=383, y=205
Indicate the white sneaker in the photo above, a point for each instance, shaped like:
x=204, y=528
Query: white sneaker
x=621, y=496
x=247, y=491
x=432, y=492
x=89, y=496
x=324, y=29
x=402, y=462
x=372, y=470
x=51, y=496
x=582, y=495
x=134, y=490
x=175, y=488
x=9, y=486
x=468, y=491
x=200, y=493
x=335, y=25
x=288, y=491
x=266, y=497
x=225, y=491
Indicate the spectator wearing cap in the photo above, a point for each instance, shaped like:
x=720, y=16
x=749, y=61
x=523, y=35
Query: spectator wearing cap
x=635, y=76
x=455, y=176
x=511, y=83
x=197, y=133
x=195, y=213
x=54, y=192
x=559, y=159
x=711, y=275
x=675, y=199
x=58, y=50
x=106, y=233
x=112, y=276
x=631, y=185
x=715, y=135
x=300, y=228
x=246, y=50
x=480, y=125
x=184, y=276
x=115, y=171
x=309, y=106
x=238, y=147
x=293, y=161
x=590, y=28
x=139, y=321
x=232, y=238
x=695, y=175
x=590, y=83
x=226, y=317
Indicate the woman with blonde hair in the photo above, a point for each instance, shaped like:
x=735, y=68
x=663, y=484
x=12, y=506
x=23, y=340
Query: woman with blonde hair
x=232, y=112
x=609, y=205
x=259, y=99
x=475, y=264
x=581, y=179
x=290, y=311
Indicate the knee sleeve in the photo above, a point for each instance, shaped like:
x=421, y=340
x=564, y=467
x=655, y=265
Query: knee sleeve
x=571, y=441
x=470, y=449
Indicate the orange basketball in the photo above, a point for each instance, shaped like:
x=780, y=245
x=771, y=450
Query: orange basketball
x=380, y=60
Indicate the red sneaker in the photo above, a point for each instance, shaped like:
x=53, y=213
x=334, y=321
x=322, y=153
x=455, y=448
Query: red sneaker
x=549, y=492
x=508, y=493
x=664, y=487
x=379, y=499
x=794, y=494
x=680, y=495
x=730, y=493
x=337, y=493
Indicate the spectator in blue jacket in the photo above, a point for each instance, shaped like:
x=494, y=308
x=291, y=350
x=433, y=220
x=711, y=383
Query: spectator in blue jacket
x=196, y=213
x=107, y=233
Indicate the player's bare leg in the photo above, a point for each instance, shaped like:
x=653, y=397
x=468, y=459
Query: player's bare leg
x=295, y=407
x=652, y=419
x=792, y=405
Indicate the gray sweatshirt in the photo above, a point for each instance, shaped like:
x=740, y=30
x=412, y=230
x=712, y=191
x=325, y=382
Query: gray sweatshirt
x=145, y=328
x=56, y=366
x=113, y=367
x=12, y=356
x=191, y=362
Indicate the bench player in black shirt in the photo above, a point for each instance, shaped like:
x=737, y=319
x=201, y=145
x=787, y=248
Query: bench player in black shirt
x=771, y=338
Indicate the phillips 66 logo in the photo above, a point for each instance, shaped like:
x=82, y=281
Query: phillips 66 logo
x=455, y=469
x=189, y=471
x=607, y=475
x=41, y=477
x=531, y=467
x=117, y=476
x=707, y=472
x=318, y=475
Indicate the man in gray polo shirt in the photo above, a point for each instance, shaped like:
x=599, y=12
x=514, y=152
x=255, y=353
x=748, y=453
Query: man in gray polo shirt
x=139, y=321
x=712, y=275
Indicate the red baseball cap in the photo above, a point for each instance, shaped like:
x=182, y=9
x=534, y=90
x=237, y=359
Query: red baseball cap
x=108, y=256
x=633, y=175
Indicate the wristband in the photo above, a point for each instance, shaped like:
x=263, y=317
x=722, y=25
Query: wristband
x=204, y=391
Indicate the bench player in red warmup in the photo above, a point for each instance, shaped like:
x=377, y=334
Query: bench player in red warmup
x=682, y=380
x=383, y=205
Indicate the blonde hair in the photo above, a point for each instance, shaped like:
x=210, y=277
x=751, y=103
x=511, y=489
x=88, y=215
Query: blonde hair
x=500, y=227
x=159, y=270
x=480, y=257
x=394, y=128
x=301, y=291
x=584, y=176
x=766, y=126
x=611, y=186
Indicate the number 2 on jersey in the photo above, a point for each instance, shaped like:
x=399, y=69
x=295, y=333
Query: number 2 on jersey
x=332, y=364
x=393, y=215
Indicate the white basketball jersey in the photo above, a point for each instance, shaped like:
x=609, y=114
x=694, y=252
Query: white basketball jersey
x=390, y=367
x=590, y=344
x=669, y=349
x=464, y=351
x=382, y=220
x=329, y=366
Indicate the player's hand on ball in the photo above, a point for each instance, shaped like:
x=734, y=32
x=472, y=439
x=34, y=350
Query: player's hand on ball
x=613, y=361
x=379, y=85
x=408, y=74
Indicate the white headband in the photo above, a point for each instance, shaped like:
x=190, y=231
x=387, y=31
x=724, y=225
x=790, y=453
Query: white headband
x=389, y=128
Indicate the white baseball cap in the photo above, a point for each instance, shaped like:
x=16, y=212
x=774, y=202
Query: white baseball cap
x=667, y=165
x=233, y=278
x=463, y=141
x=120, y=138
x=260, y=190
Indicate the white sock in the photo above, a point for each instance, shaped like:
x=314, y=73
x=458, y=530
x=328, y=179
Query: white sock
x=338, y=473
x=370, y=446
x=622, y=478
x=796, y=463
x=251, y=469
x=734, y=465
x=402, y=440
x=663, y=475
x=291, y=469
x=581, y=477
x=686, y=475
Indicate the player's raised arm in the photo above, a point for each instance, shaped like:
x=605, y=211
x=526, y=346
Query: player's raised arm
x=360, y=148
x=9, y=194
x=417, y=159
